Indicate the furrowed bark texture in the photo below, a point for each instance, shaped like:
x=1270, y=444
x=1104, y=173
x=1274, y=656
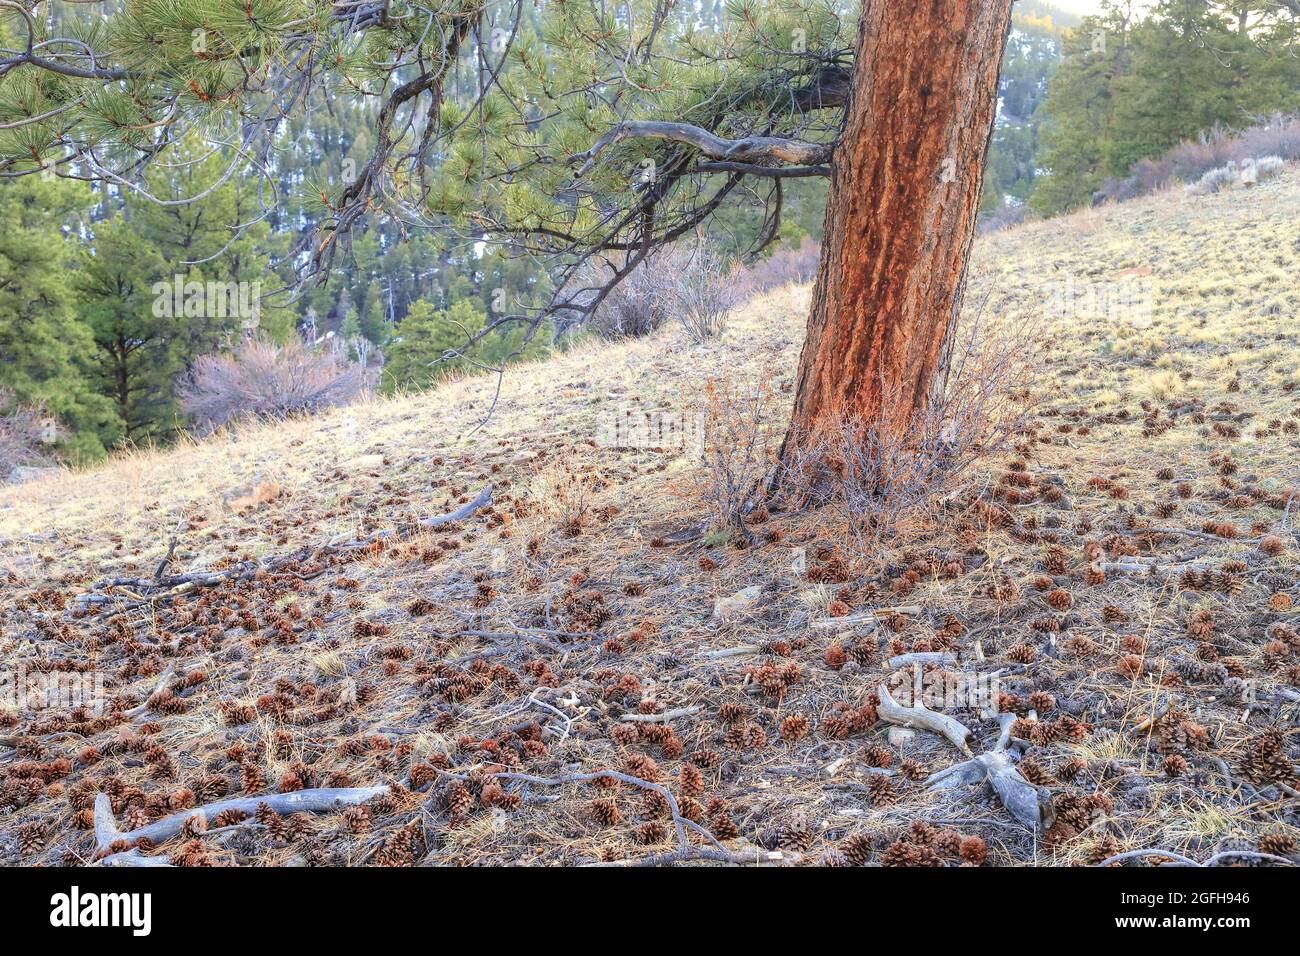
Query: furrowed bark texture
x=900, y=217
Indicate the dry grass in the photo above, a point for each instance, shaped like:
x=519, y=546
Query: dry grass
x=395, y=663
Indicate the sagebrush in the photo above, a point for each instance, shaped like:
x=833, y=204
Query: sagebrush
x=264, y=380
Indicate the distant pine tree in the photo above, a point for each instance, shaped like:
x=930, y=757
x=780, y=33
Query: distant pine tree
x=47, y=351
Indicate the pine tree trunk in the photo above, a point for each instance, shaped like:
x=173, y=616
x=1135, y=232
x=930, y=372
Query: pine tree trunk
x=900, y=217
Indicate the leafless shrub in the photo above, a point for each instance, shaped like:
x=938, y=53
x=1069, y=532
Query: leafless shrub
x=1269, y=166
x=785, y=266
x=265, y=380
x=563, y=496
x=686, y=282
x=1004, y=217
x=703, y=293
x=887, y=483
x=1193, y=160
x=740, y=431
x=27, y=432
x=635, y=307
x=1216, y=180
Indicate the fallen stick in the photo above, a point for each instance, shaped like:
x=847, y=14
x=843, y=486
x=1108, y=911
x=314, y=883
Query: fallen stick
x=926, y=657
x=867, y=617
x=730, y=652
x=460, y=514
x=921, y=716
x=320, y=800
x=666, y=716
x=1162, y=708
x=758, y=857
x=1188, y=861
x=1028, y=804
x=184, y=583
x=133, y=857
x=1204, y=535
x=161, y=686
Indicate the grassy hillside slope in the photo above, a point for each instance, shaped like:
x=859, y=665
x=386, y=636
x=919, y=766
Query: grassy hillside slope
x=1129, y=576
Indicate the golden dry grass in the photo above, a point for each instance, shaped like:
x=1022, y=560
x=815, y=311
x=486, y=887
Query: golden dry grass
x=359, y=668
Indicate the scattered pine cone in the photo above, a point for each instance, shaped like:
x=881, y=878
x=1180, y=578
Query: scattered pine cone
x=974, y=851
x=903, y=853
x=795, y=834
x=1174, y=765
x=1021, y=653
x=794, y=727
x=706, y=759
x=357, y=819
x=720, y=822
x=1060, y=599
x=881, y=790
x=690, y=782
x=856, y=849
x=1277, y=844
x=651, y=832
x=1266, y=760
x=605, y=812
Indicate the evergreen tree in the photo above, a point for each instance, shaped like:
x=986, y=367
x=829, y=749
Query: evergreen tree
x=422, y=352
x=139, y=353
x=46, y=351
x=1077, y=128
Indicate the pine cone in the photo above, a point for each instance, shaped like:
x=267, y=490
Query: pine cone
x=856, y=849
x=690, y=782
x=1277, y=844
x=795, y=834
x=1266, y=760
x=973, y=850
x=651, y=832
x=903, y=853
x=605, y=812
x=357, y=819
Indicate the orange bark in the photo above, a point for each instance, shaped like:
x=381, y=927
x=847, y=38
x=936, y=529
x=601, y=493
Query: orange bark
x=900, y=216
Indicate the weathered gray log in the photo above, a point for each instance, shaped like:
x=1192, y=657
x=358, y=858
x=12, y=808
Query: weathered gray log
x=1030, y=805
x=921, y=716
x=321, y=800
x=663, y=717
x=925, y=657
x=133, y=857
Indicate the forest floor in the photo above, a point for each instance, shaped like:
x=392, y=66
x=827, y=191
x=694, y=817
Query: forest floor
x=1128, y=577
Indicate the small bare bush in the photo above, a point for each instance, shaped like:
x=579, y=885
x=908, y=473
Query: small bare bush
x=1193, y=160
x=635, y=307
x=263, y=380
x=1004, y=217
x=1216, y=180
x=1269, y=166
x=563, y=496
x=27, y=432
x=688, y=283
x=888, y=483
x=740, y=433
x=703, y=293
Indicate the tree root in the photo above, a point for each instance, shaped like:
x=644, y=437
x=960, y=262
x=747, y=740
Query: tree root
x=1180, y=860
